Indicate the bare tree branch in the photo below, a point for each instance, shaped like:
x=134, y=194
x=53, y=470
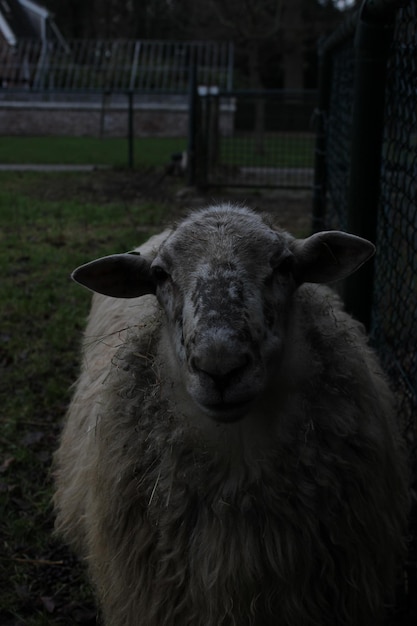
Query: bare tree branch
x=250, y=20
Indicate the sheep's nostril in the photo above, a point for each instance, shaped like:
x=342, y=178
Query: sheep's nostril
x=222, y=369
x=222, y=381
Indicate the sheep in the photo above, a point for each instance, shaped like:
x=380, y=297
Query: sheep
x=230, y=456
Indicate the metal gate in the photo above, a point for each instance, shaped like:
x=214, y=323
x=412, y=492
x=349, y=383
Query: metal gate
x=254, y=139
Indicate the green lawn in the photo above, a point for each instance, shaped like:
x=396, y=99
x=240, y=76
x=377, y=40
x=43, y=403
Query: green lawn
x=42, y=314
x=278, y=150
x=88, y=150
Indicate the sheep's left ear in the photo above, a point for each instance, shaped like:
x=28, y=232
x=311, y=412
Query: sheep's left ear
x=329, y=256
x=118, y=275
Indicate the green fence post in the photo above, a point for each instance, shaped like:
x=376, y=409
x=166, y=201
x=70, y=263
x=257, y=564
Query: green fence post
x=373, y=38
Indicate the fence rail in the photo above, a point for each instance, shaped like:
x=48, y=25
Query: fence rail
x=366, y=181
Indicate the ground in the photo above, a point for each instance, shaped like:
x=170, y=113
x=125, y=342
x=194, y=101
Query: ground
x=291, y=208
x=50, y=223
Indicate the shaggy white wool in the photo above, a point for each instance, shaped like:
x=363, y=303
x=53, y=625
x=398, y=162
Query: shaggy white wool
x=293, y=515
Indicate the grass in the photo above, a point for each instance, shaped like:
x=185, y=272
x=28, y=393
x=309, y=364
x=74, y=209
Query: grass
x=279, y=150
x=88, y=150
x=49, y=224
x=42, y=315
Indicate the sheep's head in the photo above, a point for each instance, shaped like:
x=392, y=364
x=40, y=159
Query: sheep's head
x=225, y=280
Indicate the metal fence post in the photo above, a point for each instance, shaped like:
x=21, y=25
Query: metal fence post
x=373, y=39
x=131, y=130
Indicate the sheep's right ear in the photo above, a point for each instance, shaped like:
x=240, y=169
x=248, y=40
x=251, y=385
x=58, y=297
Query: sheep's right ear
x=328, y=256
x=118, y=275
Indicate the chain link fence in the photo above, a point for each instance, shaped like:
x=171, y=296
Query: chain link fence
x=366, y=182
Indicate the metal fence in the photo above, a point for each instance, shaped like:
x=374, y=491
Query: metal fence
x=366, y=181
x=254, y=138
x=236, y=138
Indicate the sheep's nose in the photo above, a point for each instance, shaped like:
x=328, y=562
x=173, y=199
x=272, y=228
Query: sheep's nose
x=222, y=368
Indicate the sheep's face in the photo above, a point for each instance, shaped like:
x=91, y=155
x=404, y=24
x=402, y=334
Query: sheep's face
x=225, y=280
x=225, y=285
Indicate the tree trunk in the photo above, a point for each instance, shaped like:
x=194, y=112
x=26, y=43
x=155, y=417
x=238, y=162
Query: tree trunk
x=293, y=67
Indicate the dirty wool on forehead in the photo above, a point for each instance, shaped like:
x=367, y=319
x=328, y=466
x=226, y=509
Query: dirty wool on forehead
x=215, y=232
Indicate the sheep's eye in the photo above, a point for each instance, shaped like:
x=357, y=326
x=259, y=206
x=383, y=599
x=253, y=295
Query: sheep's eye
x=159, y=274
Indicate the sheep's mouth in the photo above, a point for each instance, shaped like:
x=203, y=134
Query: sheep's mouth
x=227, y=412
